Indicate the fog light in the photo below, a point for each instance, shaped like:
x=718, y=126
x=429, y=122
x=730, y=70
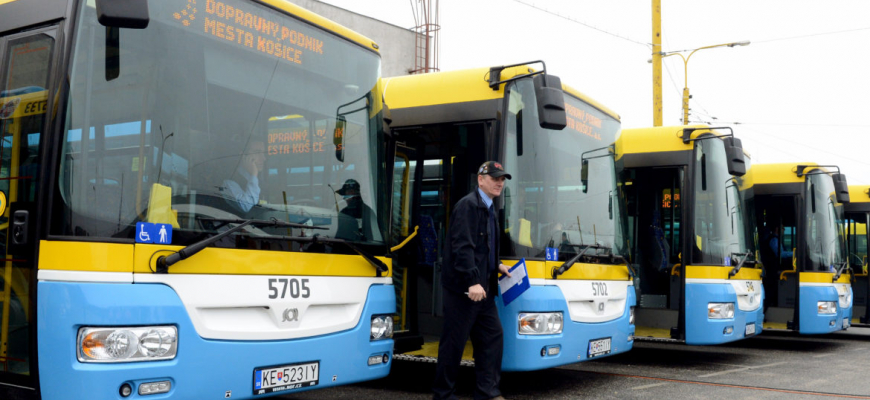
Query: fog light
x=832, y=323
x=386, y=358
x=154, y=387
x=728, y=330
x=720, y=310
x=126, y=390
x=378, y=359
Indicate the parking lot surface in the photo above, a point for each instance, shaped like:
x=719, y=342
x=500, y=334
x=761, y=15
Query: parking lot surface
x=772, y=365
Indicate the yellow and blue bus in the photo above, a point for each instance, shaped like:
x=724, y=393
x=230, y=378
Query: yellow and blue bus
x=799, y=208
x=561, y=200
x=857, y=213
x=167, y=232
x=692, y=237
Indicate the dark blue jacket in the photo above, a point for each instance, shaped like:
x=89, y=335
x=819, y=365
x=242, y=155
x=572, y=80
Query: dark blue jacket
x=467, y=248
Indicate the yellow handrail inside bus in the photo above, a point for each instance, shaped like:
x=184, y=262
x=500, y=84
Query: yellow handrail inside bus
x=793, y=269
x=674, y=270
x=863, y=268
x=407, y=239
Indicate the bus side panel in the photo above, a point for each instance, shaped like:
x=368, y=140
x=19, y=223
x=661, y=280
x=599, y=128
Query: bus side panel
x=701, y=330
x=523, y=352
x=811, y=322
x=203, y=368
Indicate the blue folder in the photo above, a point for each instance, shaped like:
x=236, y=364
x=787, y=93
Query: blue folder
x=513, y=287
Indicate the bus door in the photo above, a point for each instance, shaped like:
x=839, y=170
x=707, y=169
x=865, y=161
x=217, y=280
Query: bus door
x=405, y=173
x=777, y=218
x=858, y=249
x=26, y=62
x=655, y=195
x=447, y=158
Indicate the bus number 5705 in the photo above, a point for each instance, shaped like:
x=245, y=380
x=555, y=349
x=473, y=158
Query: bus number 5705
x=297, y=288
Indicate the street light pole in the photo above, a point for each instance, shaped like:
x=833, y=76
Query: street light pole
x=686, y=95
x=657, y=61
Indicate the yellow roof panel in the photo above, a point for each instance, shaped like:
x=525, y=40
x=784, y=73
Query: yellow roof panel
x=322, y=22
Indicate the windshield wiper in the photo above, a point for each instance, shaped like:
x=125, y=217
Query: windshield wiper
x=164, y=262
x=379, y=265
x=612, y=258
x=840, y=270
x=568, y=264
x=739, y=265
x=261, y=222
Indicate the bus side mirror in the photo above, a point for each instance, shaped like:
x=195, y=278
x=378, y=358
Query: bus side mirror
x=841, y=187
x=132, y=14
x=338, y=137
x=736, y=160
x=551, y=102
x=584, y=175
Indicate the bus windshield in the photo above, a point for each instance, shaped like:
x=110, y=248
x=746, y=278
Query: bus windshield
x=546, y=202
x=228, y=110
x=722, y=228
x=825, y=232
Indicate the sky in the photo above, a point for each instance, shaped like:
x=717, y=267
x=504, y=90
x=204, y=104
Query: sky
x=800, y=92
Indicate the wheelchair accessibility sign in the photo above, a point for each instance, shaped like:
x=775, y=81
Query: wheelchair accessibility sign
x=147, y=232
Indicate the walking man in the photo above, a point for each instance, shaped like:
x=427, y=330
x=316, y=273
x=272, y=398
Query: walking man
x=470, y=283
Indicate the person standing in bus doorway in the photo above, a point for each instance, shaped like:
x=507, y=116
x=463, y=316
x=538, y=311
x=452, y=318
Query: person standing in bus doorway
x=470, y=283
x=244, y=186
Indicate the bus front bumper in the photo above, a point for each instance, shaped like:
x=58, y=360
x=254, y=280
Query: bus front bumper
x=202, y=368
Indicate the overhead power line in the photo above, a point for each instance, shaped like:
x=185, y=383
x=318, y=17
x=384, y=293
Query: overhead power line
x=810, y=35
x=798, y=124
x=647, y=45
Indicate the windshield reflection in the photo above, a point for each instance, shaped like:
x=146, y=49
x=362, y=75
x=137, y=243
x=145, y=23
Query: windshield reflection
x=547, y=203
x=197, y=127
x=721, y=237
x=826, y=230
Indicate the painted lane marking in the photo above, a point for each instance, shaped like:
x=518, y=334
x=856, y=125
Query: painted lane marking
x=649, y=386
x=804, y=392
x=740, y=369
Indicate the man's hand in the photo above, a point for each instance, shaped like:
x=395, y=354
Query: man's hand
x=251, y=165
x=504, y=269
x=476, y=293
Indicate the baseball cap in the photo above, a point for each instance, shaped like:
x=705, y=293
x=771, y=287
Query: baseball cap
x=350, y=184
x=493, y=169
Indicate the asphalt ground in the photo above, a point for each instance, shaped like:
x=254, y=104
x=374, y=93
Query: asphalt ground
x=772, y=365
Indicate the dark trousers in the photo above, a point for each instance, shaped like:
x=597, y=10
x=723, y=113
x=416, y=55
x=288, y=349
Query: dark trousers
x=463, y=317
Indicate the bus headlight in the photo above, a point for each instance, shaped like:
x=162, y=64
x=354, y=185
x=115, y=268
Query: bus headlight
x=549, y=323
x=631, y=315
x=720, y=310
x=126, y=344
x=827, y=307
x=382, y=327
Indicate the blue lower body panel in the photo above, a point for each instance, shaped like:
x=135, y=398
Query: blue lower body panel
x=524, y=352
x=813, y=323
x=203, y=369
x=702, y=330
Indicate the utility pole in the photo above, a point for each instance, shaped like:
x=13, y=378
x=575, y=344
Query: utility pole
x=657, y=61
